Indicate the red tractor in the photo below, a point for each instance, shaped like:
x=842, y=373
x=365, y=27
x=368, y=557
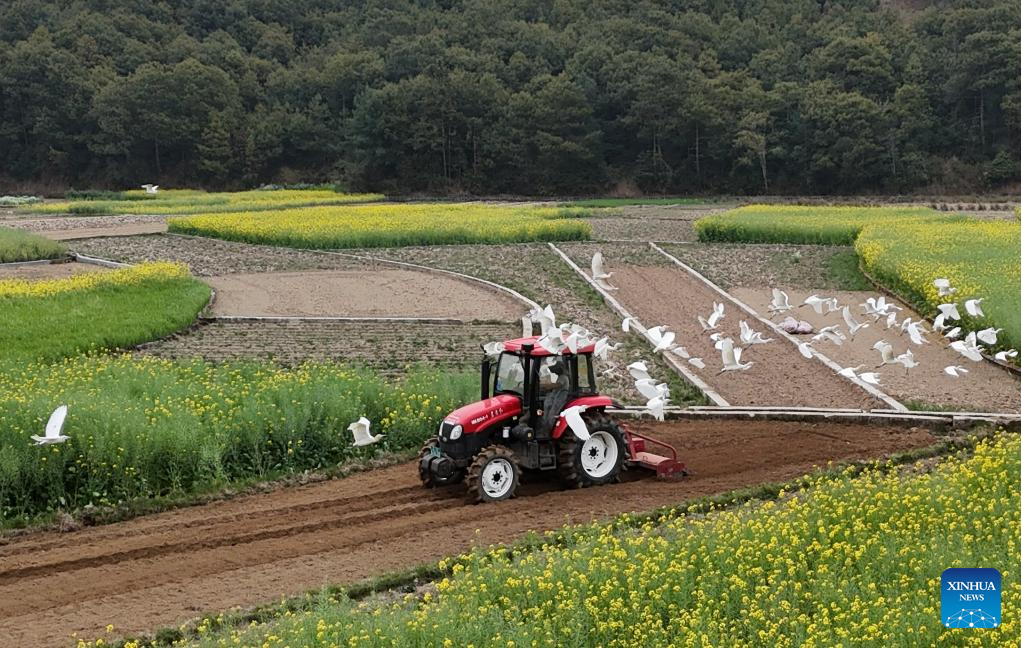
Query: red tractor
x=518, y=425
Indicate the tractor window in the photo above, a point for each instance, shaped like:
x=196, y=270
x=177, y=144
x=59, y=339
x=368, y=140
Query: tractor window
x=510, y=374
x=553, y=374
x=585, y=380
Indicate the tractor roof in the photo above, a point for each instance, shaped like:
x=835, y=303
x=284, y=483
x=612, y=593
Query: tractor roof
x=514, y=346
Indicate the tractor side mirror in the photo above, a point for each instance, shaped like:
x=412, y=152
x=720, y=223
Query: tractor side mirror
x=487, y=370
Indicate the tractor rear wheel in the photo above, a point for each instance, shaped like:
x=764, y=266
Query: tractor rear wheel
x=430, y=480
x=597, y=460
x=494, y=475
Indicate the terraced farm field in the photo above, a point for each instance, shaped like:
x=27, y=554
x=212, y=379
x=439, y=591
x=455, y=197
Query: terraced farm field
x=280, y=308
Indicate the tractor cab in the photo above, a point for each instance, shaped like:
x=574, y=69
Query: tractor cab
x=517, y=425
x=543, y=382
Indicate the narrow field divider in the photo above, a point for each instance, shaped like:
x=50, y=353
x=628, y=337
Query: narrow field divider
x=676, y=365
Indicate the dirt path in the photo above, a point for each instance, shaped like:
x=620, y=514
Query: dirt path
x=361, y=293
x=167, y=568
x=780, y=376
x=985, y=388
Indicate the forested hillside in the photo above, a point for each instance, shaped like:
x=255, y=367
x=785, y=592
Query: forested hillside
x=514, y=96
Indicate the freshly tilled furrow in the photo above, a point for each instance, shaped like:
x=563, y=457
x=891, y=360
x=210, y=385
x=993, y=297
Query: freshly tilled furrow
x=252, y=549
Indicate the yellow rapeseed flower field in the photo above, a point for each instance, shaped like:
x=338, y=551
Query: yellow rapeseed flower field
x=133, y=276
x=851, y=561
x=391, y=225
x=980, y=258
x=191, y=202
x=147, y=426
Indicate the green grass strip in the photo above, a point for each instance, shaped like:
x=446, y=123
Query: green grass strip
x=18, y=245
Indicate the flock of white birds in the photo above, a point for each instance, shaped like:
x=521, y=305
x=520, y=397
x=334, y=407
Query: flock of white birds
x=570, y=337
x=948, y=323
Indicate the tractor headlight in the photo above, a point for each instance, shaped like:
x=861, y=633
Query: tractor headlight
x=455, y=432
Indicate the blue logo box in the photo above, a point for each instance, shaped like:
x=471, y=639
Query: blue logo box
x=970, y=598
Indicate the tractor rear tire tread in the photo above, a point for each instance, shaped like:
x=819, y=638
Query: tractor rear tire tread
x=569, y=457
x=474, y=477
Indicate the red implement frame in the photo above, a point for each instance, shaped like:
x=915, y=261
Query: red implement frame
x=665, y=466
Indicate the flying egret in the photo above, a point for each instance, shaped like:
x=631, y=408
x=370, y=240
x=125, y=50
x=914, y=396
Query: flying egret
x=547, y=320
x=853, y=326
x=1004, y=356
x=732, y=357
x=943, y=286
x=974, y=307
x=603, y=348
x=955, y=371
x=968, y=347
x=716, y=315
x=988, y=335
x=598, y=272
x=907, y=359
x=949, y=311
x=696, y=362
x=651, y=389
x=916, y=333
x=151, y=189
x=638, y=370
x=850, y=372
x=661, y=338
x=681, y=351
x=552, y=342
x=781, y=302
x=54, y=428
x=361, y=431
x=939, y=324
x=493, y=348
x=891, y=321
x=749, y=336
x=656, y=407
x=605, y=286
x=870, y=377
x=575, y=421
x=829, y=335
x=953, y=333
x=885, y=351
x=599, y=275
x=879, y=307
x=818, y=303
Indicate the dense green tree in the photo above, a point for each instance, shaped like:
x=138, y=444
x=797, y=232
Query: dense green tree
x=514, y=96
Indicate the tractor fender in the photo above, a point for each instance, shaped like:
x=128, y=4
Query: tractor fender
x=592, y=402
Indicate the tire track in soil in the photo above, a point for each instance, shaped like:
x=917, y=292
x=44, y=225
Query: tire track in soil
x=781, y=375
x=167, y=568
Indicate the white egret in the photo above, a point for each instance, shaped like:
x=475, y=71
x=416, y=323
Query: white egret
x=54, y=428
x=361, y=431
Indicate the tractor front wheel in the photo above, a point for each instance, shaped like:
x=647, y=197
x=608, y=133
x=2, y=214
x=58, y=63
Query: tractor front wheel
x=597, y=460
x=430, y=480
x=494, y=475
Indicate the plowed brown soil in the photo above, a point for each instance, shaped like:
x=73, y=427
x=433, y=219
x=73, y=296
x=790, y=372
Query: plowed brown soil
x=167, y=568
x=780, y=375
